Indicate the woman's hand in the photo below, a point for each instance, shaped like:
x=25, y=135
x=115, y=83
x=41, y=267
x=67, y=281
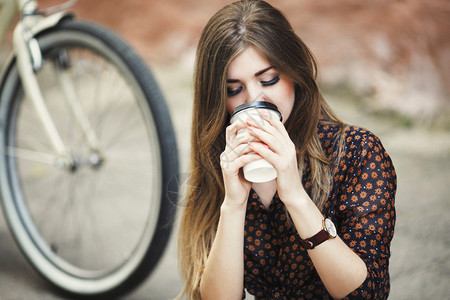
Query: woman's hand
x=280, y=151
x=236, y=155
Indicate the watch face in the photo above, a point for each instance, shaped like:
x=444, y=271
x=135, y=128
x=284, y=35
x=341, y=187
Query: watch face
x=330, y=228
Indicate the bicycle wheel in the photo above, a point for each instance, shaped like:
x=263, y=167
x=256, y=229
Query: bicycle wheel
x=99, y=227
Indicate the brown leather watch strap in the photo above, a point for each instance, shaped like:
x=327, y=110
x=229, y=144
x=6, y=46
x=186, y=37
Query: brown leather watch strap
x=315, y=240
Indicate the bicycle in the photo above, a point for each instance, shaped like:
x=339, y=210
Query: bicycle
x=87, y=152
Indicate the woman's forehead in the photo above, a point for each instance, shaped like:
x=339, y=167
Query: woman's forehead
x=249, y=62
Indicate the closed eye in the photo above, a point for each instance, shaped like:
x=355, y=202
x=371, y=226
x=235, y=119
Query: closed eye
x=231, y=92
x=271, y=82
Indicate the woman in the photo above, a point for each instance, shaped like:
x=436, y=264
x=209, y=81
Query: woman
x=276, y=239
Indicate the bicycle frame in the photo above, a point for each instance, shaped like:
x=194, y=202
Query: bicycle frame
x=7, y=12
x=29, y=60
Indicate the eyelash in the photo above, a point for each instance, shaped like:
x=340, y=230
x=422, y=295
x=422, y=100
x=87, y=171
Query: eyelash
x=274, y=81
x=271, y=82
x=232, y=93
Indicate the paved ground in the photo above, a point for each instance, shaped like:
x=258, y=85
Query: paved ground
x=420, y=263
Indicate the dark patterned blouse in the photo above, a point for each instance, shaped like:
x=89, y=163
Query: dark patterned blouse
x=361, y=205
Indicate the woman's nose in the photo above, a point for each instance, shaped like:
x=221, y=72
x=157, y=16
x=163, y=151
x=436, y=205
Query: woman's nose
x=255, y=94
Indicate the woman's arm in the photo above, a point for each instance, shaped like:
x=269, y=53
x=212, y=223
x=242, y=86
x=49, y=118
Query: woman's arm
x=365, y=208
x=340, y=269
x=223, y=277
x=366, y=213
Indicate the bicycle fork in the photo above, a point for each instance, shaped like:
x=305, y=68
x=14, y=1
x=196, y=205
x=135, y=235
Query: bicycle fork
x=29, y=60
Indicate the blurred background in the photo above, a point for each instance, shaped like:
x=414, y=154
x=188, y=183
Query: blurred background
x=383, y=65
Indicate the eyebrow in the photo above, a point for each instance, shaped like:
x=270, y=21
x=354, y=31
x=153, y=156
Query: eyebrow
x=259, y=73
x=263, y=71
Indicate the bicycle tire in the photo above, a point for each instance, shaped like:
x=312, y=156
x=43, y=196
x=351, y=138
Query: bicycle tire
x=66, y=254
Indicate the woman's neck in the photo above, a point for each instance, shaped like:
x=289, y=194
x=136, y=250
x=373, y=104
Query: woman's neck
x=265, y=191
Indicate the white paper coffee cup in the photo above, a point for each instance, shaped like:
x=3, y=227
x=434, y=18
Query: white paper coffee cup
x=260, y=170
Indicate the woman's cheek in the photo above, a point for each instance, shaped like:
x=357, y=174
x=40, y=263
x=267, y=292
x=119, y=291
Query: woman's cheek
x=285, y=100
x=232, y=103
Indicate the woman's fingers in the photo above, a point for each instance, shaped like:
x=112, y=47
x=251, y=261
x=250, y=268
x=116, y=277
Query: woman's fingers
x=270, y=131
x=231, y=155
x=237, y=139
x=237, y=151
x=275, y=123
x=269, y=137
x=280, y=150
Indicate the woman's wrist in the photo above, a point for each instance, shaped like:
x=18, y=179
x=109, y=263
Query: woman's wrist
x=305, y=214
x=296, y=199
x=229, y=206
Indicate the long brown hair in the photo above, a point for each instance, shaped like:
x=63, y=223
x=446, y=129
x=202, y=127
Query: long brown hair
x=231, y=30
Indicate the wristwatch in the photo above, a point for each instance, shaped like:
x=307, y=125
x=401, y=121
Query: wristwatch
x=328, y=232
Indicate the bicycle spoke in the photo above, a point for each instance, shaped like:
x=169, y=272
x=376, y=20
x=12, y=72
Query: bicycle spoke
x=31, y=155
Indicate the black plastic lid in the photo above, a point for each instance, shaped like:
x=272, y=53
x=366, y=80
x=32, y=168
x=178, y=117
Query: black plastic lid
x=256, y=104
